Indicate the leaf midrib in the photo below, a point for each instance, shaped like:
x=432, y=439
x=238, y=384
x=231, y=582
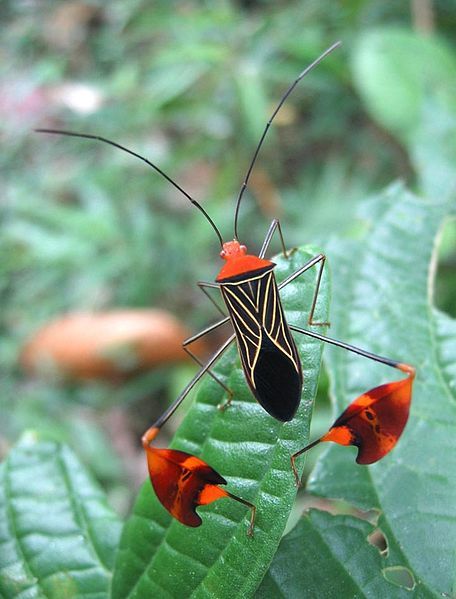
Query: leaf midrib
x=79, y=511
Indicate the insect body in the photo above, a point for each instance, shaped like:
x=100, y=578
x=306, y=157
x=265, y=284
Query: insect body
x=266, y=346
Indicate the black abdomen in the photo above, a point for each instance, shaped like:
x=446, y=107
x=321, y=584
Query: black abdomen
x=277, y=383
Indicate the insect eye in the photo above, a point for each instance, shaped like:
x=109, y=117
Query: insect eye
x=223, y=254
x=243, y=248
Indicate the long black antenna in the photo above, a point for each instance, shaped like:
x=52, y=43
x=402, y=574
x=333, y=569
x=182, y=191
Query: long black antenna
x=154, y=166
x=279, y=106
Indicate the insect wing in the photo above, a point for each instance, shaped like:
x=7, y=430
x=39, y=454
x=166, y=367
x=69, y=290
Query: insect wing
x=268, y=352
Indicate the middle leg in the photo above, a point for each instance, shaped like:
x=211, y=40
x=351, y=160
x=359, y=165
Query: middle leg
x=199, y=335
x=320, y=259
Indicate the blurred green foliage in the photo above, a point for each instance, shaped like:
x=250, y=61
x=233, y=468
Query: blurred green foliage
x=191, y=85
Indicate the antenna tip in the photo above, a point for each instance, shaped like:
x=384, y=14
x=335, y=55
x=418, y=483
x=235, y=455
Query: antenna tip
x=334, y=46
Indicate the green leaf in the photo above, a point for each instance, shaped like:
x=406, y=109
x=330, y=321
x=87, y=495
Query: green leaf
x=252, y=99
x=172, y=80
x=161, y=557
x=332, y=557
x=57, y=534
x=434, y=153
x=382, y=303
x=397, y=72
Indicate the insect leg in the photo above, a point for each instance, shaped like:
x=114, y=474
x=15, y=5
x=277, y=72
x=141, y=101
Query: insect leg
x=319, y=259
x=252, y=511
x=295, y=456
x=351, y=348
x=205, y=331
x=169, y=468
x=203, y=285
x=267, y=240
x=375, y=420
x=191, y=340
x=152, y=432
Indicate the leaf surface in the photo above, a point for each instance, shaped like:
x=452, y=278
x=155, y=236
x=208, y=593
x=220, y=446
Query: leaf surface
x=396, y=88
x=331, y=557
x=383, y=304
x=58, y=536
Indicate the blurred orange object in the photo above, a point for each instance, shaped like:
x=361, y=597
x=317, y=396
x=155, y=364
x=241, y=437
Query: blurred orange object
x=106, y=345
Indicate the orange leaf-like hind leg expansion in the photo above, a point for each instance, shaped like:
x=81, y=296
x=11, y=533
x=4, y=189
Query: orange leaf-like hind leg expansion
x=375, y=420
x=183, y=482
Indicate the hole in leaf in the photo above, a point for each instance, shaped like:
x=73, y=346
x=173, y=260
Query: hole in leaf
x=400, y=576
x=445, y=278
x=378, y=539
x=306, y=501
x=336, y=507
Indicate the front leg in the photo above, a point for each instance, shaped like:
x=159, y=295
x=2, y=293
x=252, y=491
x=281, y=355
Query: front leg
x=275, y=225
x=203, y=285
